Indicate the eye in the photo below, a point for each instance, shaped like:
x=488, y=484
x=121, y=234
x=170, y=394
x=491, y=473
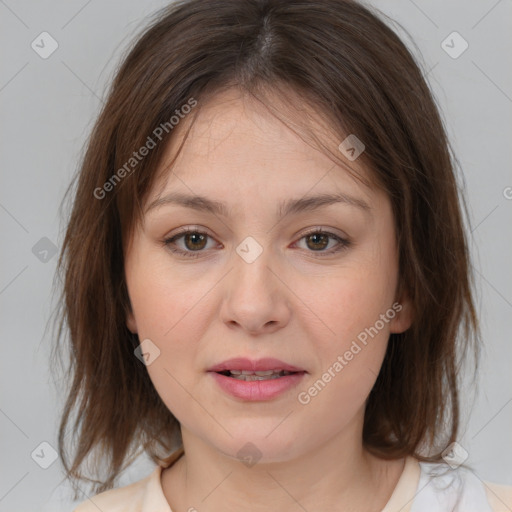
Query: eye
x=195, y=241
x=318, y=240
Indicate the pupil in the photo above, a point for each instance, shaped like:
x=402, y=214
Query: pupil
x=314, y=236
x=189, y=236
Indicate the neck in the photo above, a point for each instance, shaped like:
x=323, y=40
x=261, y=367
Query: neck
x=337, y=475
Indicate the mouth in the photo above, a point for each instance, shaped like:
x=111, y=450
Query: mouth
x=256, y=381
x=249, y=376
x=242, y=368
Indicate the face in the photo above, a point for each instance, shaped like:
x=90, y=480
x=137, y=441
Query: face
x=313, y=287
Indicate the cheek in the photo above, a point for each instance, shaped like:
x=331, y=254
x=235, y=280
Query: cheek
x=172, y=309
x=164, y=300
x=344, y=304
x=351, y=326
x=167, y=309
x=350, y=355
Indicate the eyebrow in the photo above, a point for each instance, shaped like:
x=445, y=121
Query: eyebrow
x=290, y=206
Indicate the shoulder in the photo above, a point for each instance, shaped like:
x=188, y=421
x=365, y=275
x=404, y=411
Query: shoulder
x=459, y=489
x=141, y=496
x=499, y=496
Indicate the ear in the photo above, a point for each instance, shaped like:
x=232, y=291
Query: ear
x=404, y=317
x=131, y=322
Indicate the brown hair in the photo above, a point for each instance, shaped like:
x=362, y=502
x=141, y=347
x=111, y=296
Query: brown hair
x=350, y=66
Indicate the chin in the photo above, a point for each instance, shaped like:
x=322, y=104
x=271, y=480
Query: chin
x=267, y=445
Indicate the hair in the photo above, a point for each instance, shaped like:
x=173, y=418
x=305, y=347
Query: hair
x=342, y=59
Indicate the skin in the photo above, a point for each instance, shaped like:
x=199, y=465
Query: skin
x=291, y=303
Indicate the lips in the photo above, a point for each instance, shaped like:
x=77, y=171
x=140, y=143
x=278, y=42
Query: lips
x=252, y=366
x=248, y=386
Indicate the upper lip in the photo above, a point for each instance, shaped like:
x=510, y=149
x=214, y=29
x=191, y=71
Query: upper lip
x=242, y=363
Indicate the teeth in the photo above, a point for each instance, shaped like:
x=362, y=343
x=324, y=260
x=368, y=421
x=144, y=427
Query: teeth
x=248, y=378
x=259, y=375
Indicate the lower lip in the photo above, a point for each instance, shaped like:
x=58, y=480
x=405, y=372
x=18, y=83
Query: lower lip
x=257, y=390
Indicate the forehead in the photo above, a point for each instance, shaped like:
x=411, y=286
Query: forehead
x=236, y=145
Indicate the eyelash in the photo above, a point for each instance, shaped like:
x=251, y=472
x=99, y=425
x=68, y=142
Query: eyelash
x=343, y=243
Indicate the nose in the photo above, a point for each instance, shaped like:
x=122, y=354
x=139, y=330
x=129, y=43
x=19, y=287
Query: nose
x=255, y=296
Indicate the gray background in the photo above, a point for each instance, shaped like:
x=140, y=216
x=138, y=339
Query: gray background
x=47, y=110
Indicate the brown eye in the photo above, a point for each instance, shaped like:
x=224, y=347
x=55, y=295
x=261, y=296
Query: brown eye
x=194, y=241
x=318, y=241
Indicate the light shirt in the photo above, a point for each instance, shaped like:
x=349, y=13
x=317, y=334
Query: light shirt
x=421, y=487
